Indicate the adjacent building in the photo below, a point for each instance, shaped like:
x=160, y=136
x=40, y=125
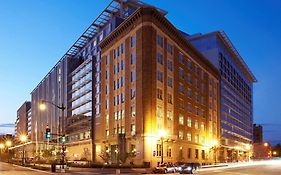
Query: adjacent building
x=258, y=133
x=236, y=94
x=23, y=118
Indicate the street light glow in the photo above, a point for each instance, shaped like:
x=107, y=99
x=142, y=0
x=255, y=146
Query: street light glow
x=2, y=146
x=265, y=144
x=162, y=133
x=42, y=106
x=8, y=143
x=23, y=138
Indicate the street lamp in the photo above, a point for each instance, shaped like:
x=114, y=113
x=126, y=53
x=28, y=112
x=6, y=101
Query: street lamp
x=23, y=139
x=42, y=106
x=2, y=146
x=8, y=144
x=265, y=144
x=162, y=134
x=214, y=145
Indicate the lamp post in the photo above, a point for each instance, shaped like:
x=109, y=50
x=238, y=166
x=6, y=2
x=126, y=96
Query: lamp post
x=2, y=146
x=42, y=107
x=8, y=144
x=214, y=147
x=23, y=139
x=161, y=134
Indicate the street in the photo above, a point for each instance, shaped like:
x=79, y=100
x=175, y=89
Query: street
x=256, y=168
x=9, y=169
x=259, y=168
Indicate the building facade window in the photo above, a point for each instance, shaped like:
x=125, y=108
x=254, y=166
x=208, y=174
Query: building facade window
x=188, y=136
x=181, y=119
x=133, y=41
x=160, y=41
x=170, y=81
x=160, y=76
x=189, y=121
x=160, y=58
x=170, y=65
x=170, y=48
x=181, y=134
x=170, y=98
x=159, y=94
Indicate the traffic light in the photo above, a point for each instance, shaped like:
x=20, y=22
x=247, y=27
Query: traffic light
x=48, y=133
x=63, y=139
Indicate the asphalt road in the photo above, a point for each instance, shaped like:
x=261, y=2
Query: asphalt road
x=266, y=168
x=260, y=168
x=9, y=169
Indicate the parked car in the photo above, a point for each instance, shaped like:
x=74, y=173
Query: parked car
x=178, y=166
x=189, y=168
x=164, y=168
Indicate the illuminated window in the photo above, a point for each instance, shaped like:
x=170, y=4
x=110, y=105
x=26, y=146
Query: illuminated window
x=189, y=121
x=159, y=94
x=196, y=138
x=181, y=118
x=196, y=124
x=196, y=153
x=202, y=126
x=188, y=136
x=169, y=115
x=158, y=150
x=169, y=152
x=133, y=129
x=181, y=134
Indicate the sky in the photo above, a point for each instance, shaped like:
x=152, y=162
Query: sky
x=35, y=34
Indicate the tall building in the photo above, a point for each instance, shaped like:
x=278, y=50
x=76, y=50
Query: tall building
x=258, y=133
x=236, y=94
x=153, y=80
x=133, y=84
x=21, y=125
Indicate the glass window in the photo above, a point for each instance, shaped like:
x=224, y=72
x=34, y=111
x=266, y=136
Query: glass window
x=181, y=119
x=170, y=98
x=160, y=41
x=180, y=57
x=181, y=89
x=133, y=41
x=181, y=134
x=170, y=48
x=159, y=58
x=170, y=81
x=160, y=76
x=196, y=138
x=133, y=76
x=169, y=115
x=188, y=136
x=170, y=65
x=159, y=94
x=133, y=58
x=196, y=124
x=188, y=121
x=181, y=73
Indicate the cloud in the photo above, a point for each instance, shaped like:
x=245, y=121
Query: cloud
x=7, y=125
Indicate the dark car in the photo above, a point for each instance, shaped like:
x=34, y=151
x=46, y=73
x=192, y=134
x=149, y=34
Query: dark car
x=189, y=168
x=164, y=168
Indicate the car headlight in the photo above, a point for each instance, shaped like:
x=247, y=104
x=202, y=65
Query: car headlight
x=188, y=168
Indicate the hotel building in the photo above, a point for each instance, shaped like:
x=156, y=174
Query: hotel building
x=129, y=78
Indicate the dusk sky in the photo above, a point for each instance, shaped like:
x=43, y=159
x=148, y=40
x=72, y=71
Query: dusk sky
x=35, y=34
